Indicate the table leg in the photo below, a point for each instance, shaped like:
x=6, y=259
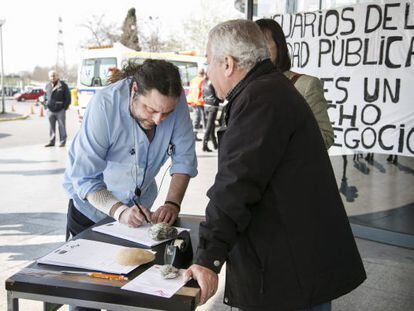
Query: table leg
x=48, y=306
x=12, y=302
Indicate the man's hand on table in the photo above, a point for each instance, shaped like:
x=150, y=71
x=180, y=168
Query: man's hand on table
x=207, y=280
x=167, y=213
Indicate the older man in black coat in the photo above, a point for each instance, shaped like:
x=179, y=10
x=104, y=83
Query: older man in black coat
x=275, y=214
x=57, y=102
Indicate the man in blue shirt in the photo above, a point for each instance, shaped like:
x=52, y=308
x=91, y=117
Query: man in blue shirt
x=129, y=131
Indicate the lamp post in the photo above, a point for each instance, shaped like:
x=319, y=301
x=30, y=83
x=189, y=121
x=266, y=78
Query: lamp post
x=2, y=21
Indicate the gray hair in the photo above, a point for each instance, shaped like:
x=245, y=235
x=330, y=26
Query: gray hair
x=241, y=39
x=53, y=72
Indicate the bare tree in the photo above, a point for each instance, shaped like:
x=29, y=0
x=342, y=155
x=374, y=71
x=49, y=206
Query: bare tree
x=211, y=13
x=101, y=32
x=154, y=43
x=26, y=75
x=173, y=44
x=72, y=74
x=151, y=40
x=40, y=73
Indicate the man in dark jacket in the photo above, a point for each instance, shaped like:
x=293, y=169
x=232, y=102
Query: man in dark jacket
x=57, y=102
x=211, y=107
x=275, y=215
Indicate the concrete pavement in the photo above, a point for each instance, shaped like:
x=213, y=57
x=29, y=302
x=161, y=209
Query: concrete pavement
x=33, y=209
x=33, y=203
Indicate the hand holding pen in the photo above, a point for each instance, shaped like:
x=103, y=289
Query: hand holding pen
x=135, y=216
x=144, y=212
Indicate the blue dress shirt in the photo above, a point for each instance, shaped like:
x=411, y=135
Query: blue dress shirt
x=111, y=151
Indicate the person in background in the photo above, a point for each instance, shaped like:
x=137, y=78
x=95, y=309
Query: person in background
x=114, y=74
x=392, y=158
x=57, y=102
x=275, y=215
x=195, y=100
x=369, y=157
x=211, y=108
x=308, y=86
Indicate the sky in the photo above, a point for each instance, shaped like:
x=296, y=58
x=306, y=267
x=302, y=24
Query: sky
x=30, y=30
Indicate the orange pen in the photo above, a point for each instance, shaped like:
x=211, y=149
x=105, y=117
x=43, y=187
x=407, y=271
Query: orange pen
x=99, y=275
x=107, y=276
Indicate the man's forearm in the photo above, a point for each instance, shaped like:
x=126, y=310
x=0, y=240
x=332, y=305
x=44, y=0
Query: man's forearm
x=104, y=201
x=178, y=186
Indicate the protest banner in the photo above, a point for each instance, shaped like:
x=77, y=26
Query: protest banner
x=363, y=54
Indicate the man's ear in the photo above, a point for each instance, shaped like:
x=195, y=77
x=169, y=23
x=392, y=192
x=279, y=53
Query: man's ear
x=134, y=87
x=229, y=66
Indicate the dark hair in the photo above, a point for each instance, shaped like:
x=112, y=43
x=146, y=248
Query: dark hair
x=270, y=26
x=154, y=74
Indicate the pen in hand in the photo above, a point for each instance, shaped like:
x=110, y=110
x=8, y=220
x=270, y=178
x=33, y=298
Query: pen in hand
x=141, y=211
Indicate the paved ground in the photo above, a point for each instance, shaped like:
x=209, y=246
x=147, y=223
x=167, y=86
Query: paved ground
x=33, y=207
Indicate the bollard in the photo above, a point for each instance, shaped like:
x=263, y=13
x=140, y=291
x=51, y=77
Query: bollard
x=31, y=110
x=41, y=112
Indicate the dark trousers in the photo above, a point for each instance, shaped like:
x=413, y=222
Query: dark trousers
x=210, y=133
x=76, y=222
x=200, y=117
x=60, y=118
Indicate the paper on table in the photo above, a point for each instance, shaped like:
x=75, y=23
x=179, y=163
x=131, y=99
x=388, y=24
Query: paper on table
x=138, y=235
x=87, y=254
x=151, y=282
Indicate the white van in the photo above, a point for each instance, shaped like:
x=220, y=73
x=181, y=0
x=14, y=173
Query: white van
x=95, y=64
x=94, y=70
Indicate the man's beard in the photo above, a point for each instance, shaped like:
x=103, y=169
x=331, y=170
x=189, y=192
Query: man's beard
x=141, y=122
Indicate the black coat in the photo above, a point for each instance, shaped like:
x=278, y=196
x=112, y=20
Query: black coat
x=58, y=96
x=209, y=95
x=275, y=213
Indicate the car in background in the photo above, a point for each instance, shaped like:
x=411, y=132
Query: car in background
x=32, y=94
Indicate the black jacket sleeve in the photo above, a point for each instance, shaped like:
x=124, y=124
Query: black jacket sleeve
x=250, y=150
x=66, y=95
